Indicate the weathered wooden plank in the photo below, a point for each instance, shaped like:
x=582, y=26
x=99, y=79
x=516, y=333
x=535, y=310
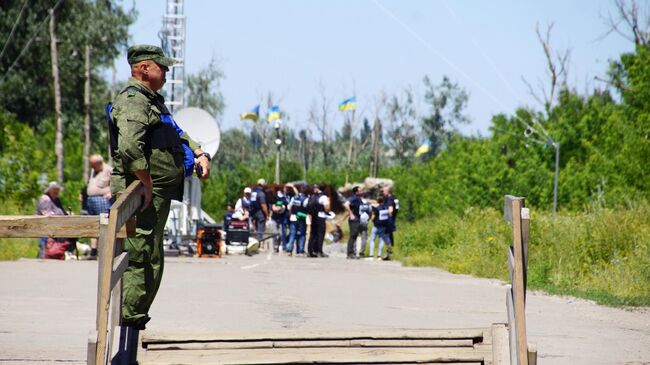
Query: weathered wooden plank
x=511, y=264
x=36, y=226
x=512, y=329
x=398, y=333
x=92, y=348
x=106, y=249
x=313, y=343
x=413, y=343
x=500, y=345
x=525, y=235
x=127, y=204
x=119, y=266
x=351, y=355
x=307, y=343
x=519, y=290
x=532, y=354
x=211, y=345
x=507, y=207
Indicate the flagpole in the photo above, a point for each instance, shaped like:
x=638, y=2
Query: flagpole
x=278, y=143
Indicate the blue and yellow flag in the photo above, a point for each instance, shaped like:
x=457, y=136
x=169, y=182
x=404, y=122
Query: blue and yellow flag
x=273, y=113
x=423, y=149
x=348, y=104
x=253, y=115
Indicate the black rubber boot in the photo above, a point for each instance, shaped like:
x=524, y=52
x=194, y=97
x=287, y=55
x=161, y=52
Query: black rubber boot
x=127, y=353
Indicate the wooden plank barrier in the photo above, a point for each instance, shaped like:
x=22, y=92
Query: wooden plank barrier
x=112, y=264
x=37, y=226
x=485, y=346
x=110, y=229
x=514, y=212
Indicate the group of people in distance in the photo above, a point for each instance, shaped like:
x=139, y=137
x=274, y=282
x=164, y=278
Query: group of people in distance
x=292, y=208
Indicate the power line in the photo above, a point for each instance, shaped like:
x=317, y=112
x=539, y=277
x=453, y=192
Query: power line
x=446, y=60
x=13, y=29
x=29, y=43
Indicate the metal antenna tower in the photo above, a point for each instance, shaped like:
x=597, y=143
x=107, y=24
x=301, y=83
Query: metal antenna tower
x=172, y=37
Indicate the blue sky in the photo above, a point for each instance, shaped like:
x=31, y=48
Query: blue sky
x=366, y=46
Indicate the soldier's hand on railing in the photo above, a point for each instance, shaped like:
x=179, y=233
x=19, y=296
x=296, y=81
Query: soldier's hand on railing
x=147, y=187
x=147, y=193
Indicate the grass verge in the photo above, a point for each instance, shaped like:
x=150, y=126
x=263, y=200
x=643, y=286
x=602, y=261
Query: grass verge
x=602, y=255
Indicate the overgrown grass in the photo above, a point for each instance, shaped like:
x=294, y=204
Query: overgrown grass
x=601, y=254
x=15, y=248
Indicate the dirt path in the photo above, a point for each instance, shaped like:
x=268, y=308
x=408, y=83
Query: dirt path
x=47, y=308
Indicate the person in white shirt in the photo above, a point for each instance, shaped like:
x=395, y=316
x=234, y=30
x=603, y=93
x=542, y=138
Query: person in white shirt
x=99, y=192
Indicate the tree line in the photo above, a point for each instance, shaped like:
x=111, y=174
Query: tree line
x=603, y=132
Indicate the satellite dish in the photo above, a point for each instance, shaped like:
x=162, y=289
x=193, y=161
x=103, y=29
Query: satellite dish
x=201, y=126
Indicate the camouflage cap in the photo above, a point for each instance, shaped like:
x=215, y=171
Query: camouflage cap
x=145, y=52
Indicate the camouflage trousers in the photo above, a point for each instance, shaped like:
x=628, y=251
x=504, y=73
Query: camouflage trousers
x=146, y=261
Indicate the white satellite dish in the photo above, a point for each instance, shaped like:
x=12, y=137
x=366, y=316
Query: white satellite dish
x=201, y=126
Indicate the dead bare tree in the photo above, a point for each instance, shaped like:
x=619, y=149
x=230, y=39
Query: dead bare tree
x=54, y=55
x=628, y=22
x=87, y=115
x=319, y=118
x=379, y=109
x=557, y=69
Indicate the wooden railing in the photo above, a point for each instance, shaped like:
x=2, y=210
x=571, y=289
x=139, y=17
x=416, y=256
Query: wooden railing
x=110, y=230
x=112, y=264
x=521, y=353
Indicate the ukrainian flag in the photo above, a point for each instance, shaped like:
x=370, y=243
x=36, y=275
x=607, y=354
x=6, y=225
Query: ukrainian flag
x=253, y=115
x=273, y=113
x=348, y=104
x=423, y=149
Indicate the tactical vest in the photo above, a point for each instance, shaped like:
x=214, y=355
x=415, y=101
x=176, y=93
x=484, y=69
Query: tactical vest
x=165, y=135
x=298, y=208
x=255, y=201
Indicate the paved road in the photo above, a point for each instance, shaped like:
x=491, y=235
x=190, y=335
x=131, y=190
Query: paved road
x=47, y=307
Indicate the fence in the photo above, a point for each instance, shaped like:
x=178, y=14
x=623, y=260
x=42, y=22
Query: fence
x=110, y=230
x=521, y=353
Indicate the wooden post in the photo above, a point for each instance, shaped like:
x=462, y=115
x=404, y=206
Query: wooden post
x=54, y=55
x=525, y=234
x=106, y=244
x=500, y=354
x=87, y=115
x=92, y=348
x=519, y=290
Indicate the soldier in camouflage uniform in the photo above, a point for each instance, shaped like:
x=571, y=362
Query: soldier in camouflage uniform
x=146, y=149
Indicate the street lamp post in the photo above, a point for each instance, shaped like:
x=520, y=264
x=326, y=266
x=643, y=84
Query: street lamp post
x=278, y=143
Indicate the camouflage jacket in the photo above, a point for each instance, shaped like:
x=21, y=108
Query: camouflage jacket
x=144, y=142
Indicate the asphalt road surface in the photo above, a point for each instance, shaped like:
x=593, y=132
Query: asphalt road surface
x=47, y=308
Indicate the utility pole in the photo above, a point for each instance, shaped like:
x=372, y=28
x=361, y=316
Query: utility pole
x=54, y=55
x=87, y=116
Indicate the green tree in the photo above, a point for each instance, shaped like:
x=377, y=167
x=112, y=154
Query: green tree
x=25, y=80
x=203, y=89
x=447, y=102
